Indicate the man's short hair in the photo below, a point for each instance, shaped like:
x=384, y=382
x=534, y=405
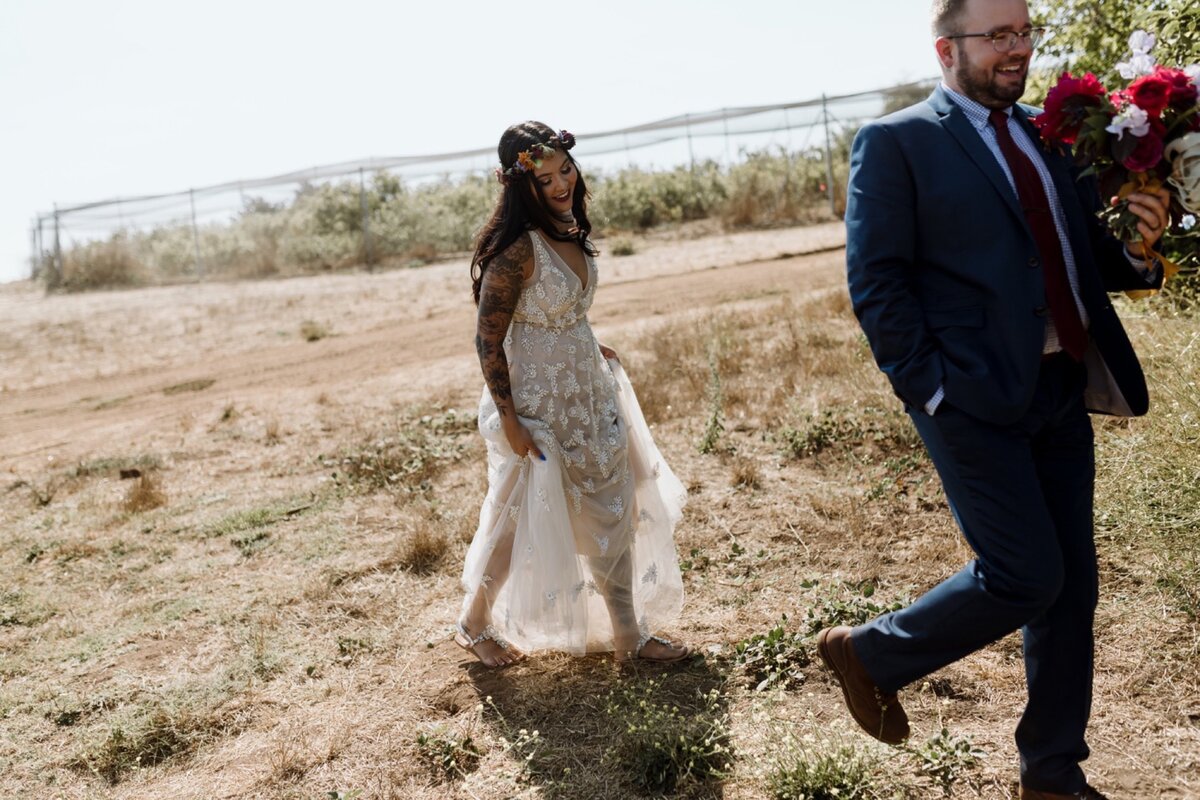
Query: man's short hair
x=944, y=16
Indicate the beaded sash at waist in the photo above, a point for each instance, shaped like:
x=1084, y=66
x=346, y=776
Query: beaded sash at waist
x=560, y=324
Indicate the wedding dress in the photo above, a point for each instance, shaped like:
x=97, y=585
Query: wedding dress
x=580, y=545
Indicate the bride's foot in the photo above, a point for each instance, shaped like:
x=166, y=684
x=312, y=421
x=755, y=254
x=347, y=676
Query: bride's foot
x=656, y=649
x=488, y=646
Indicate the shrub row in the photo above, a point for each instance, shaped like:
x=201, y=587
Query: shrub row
x=321, y=228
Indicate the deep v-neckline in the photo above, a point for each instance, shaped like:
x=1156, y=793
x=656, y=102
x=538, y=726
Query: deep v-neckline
x=587, y=264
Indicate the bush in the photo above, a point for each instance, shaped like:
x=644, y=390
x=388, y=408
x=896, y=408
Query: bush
x=665, y=749
x=322, y=227
x=97, y=265
x=775, y=658
x=821, y=771
x=775, y=189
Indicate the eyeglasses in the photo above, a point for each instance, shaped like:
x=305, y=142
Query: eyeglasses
x=1006, y=41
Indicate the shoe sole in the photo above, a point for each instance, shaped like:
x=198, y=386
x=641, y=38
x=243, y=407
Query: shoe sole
x=823, y=652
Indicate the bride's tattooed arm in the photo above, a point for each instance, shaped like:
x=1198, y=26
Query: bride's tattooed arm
x=498, y=296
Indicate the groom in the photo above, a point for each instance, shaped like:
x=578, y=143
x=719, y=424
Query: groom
x=978, y=270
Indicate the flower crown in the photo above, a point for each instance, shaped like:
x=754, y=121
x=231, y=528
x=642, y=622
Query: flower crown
x=532, y=158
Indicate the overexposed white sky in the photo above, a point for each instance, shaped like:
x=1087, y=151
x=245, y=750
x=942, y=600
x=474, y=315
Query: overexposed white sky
x=107, y=98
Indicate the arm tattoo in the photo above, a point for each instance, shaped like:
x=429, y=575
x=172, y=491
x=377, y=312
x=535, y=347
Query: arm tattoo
x=498, y=295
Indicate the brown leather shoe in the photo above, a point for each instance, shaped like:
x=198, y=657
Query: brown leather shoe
x=1088, y=793
x=878, y=713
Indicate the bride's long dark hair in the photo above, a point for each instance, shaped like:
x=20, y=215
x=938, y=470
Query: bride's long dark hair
x=522, y=204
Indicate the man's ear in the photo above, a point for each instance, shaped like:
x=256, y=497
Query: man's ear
x=945, y=51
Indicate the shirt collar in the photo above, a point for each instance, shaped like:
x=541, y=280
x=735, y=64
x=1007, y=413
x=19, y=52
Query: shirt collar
x=977, y=113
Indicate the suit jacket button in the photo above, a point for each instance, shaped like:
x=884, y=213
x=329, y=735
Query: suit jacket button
x=1034, y=263
x=1040, y=311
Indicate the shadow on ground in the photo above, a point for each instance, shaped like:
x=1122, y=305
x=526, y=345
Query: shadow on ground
x=582, y=708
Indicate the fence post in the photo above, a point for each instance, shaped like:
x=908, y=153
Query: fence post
x=828, y=156
x=196, y=235
x=41, y=244
x=725, y=126
x=366, y=220
x=687, y=120
x=33, y=252
x=57, y=277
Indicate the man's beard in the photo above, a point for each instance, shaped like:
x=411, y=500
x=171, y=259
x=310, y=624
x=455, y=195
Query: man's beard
x=982, y=88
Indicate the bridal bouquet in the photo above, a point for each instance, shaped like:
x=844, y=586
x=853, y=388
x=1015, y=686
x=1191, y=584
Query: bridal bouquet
x=1143, y=136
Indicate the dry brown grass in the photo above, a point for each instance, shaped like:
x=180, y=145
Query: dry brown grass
x=312, y=331
x=281, y=629
x=745, y=474
x=145, y=494
x=422, y=550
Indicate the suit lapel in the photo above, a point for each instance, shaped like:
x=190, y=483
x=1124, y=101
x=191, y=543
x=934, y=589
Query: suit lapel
x=957, y=125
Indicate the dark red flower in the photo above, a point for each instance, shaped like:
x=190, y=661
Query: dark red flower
x=1183, y=93
x=1147, y=151
x=1151, y=93
x=1067, y=107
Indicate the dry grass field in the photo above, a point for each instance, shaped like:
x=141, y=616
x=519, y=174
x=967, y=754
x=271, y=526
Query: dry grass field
x=232, y=518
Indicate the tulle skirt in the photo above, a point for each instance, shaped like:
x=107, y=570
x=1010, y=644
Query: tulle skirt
x=562, y=569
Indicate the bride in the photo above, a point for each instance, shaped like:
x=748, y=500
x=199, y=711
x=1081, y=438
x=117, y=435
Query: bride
x=574, y=550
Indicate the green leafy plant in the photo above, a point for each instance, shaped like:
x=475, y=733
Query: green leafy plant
x=846, y=429
x=821, y=770
x=945, y=758
x=774, y=658
x=450, y=755
x=856, y=610
x=664, y=748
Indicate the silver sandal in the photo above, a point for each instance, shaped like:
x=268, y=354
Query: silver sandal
x=463, y=639
x=646, y=639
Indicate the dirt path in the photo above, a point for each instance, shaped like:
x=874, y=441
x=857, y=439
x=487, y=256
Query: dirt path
x=84, y=413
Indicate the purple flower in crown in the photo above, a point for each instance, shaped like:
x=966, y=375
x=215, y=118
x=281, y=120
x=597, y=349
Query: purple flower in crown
x=567, y=138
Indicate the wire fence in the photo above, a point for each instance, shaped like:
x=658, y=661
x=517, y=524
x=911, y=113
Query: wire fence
x=180, y=233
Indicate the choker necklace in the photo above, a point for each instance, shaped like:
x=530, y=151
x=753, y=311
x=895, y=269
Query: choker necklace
x=565, y=223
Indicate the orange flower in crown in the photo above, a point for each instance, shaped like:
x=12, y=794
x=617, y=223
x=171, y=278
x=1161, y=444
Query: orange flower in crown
x=531, y=159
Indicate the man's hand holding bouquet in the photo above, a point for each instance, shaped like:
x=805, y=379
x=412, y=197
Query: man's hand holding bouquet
x=1144, y=138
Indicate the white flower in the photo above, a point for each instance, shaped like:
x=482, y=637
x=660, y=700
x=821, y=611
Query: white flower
x=1141, y=42
x=1138, y=65
x=1133, y=119
x=1188, y=222
x=1193, y=72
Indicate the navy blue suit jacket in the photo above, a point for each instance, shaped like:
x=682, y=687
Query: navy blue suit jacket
x=945, y=276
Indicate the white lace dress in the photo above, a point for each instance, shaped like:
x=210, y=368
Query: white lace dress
x=580, y=545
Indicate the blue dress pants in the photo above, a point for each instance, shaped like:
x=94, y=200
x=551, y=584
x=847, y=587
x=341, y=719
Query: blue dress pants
x=1022, y=495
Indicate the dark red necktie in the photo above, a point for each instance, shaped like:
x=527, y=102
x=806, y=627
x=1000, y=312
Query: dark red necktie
x=1071, y=335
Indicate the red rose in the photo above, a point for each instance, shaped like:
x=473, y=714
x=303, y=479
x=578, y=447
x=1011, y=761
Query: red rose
x=1067, y=107
x=1183, y=93
x=1147, y=150
x=1151, y=94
